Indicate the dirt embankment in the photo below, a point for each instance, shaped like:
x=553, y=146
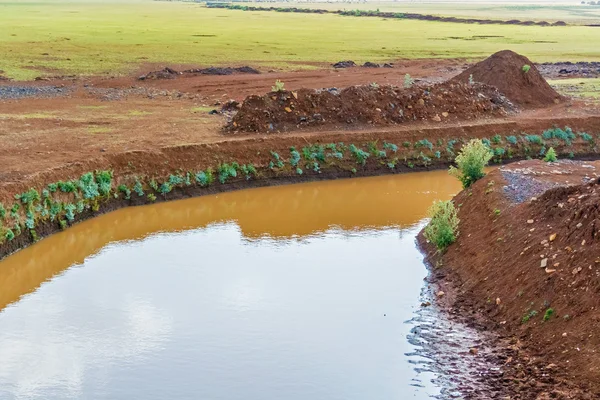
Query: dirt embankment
x=515, y=76
x=367, y=105
x=527, y=261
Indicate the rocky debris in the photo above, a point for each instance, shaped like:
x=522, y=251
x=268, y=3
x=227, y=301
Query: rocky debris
x=569, y=69
x=165, y=73
x=222, y=71
x=344, y=64
x=367, y=105
x=506, y=70
x=169, y=73
x=19, y=92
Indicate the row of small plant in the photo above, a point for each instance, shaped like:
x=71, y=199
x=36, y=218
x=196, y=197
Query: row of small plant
x=61, y=202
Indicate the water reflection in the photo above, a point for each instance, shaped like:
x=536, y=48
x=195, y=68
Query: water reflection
x=298, y=292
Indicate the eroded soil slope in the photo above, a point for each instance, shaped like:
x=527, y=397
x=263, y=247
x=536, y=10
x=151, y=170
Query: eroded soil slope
x=528, y=260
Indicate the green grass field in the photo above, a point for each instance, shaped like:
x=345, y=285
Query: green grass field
x=578, y=87
x=63, y=38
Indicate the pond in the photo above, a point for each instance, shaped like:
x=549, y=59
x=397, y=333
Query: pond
x=309, y=291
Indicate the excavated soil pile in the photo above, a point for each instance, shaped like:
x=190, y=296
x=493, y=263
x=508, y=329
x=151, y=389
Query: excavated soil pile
x=532, y=267
x=505, y=70
x=367, y=105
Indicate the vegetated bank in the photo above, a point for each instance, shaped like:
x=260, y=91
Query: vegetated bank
x=53, y=200
x=526, y=263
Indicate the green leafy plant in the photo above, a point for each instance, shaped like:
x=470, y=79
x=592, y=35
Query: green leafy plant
x=138, y=188
x=69, y=212
x=497, y=139
x=511, y=139
x=534, y=139
x=390, y=146
x=104, y=181
x=299, y=170
x=9, y=235
x=278, y=161
x=471, y=161
x=550, y=155
x=525, y=68
x=408, y=81
x=528, y=316
x=2, y=212
x=249, y=171
x=424, y=143
x=360, y=155
x=548, y=314
x=125, y=190
x=151, y=197
x=67, y=187
x=226, y=171
x=165, y=188
x=279, y=86
x=88, y=186
x=442, y=229
x=295, y=157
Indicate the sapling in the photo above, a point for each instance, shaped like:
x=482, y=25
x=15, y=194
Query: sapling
x=526, y=68
x=279, y=86
x=138, y=188
x=408, y=81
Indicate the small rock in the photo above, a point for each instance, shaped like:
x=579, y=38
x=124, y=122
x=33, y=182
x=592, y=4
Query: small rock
x=445, y=114
x=440, y=293
x=421, y=102
x=530, y=221
x=474, y=350
x=579, y=225
x=287, y=109
x=549, y=270
x=544, y=263
x=564, y=334
x=425, y=304
x=436, y=118
x=498, y=301
x=295, y=94
x=552, y=237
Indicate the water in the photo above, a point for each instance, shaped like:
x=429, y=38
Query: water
x=297, y=292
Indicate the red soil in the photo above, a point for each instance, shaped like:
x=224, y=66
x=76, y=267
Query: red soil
x=536, y=255
x=367, y=105
x=504, y=70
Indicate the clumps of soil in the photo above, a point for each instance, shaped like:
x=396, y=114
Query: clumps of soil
x=367, y=105
x=344, y=64
x=368, y=64
x=515, y=76
x=165, y=73
x=169, y=73
x=222, y=71
x=531, y=269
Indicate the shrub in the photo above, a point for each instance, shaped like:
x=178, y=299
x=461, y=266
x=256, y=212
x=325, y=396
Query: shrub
x=69, y=212
x=526, y=68
x=138, y=188
x=175, y=180
x=487, y=142
x=548, y=314
x=550, y=155
x=279, y=86
x=299, y=170
x=125, y=190
x=473, y=157
x=249, y=170
x=408, y=81
x=9, y=235
x=151, y=197
x=88, y=186
x=278, y=160
x=586, y=137
x=442, y=230
x=104, y=180
x=165, y=188
x=511, y=139
x=390, y=146
x=424, y=143
x=497, y=139
x=67, y=187
x=535, y=139
x=226, y=171
x=28, y=197
x=359, y=154
x=295, y=157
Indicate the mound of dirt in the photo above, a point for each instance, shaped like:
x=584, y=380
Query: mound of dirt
x=507, y=71
x=367, y=105
x=166, y=73
x=344, y=64
x=531, y=267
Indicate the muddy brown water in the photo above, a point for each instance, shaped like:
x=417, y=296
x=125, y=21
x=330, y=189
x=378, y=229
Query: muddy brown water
x=307, y=291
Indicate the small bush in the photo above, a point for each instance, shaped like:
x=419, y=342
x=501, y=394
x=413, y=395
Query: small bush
x=9, y=235
x=359, y=154
x=390, y=146
x=138, y=188
x=473, y=157
x=526, y=68
x=125, y=190
x=535, y=139
x=408, y=81
x=151, y=197
x=279, y=86
x=442, y=230
x=424, y=143
x=548, y=314
x=295, y=157
x=550, y=155
x=511, y=139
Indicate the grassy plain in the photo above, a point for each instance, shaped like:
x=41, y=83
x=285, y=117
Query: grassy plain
x=64, y=38
x=580, y=87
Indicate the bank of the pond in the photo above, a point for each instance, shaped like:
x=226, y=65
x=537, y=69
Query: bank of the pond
x=53, y=200
x=526, y=266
